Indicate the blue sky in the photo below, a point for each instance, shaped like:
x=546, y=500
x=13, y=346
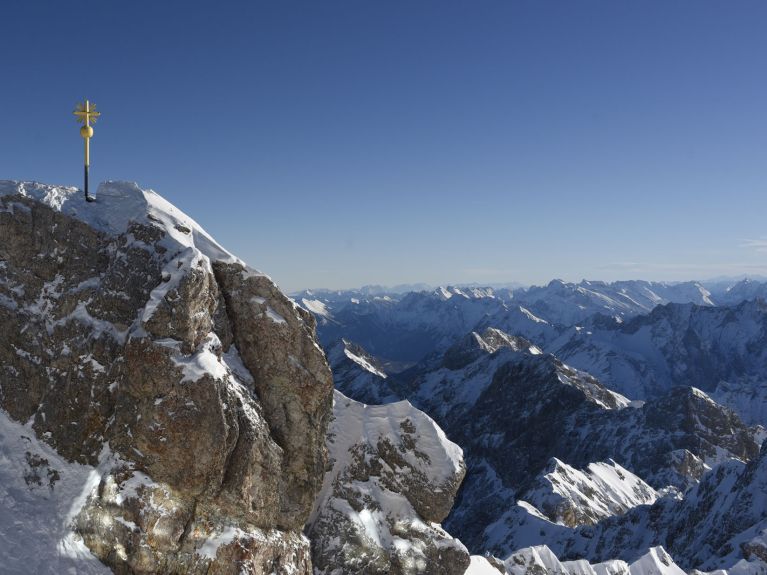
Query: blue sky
x=335, y=144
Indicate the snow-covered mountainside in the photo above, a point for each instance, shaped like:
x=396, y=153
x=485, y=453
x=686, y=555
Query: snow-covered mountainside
x=512, y=408
x=571, y=497
x=40, y=493
x=569, y=303
x=746, y=289
x=540, y=560
x=721, y=523
x=676, y=345
x=406, y=329
x=393, y=479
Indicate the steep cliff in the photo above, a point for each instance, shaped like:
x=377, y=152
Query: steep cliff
x=189, y=388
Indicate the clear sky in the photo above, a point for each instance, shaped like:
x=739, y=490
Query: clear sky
x=335, y=144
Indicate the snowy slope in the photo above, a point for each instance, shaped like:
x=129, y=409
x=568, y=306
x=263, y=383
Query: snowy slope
x=482, y=566
x=40, y=494
x=393, y=478
x=358, y=374
x=569, y=303
x=540, y=560
x=721, y=523
x=572, y=497
x=118, y=205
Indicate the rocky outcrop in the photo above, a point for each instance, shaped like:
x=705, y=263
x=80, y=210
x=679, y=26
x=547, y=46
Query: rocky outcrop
x=358, y=374
x=392, y=480
x=133, y=343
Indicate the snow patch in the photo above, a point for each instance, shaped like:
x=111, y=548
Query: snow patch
x=36, y=533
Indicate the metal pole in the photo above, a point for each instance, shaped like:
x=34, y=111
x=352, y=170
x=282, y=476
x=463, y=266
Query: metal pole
x=87, y=166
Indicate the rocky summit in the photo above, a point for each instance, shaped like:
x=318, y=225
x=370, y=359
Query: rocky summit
x=184, y=380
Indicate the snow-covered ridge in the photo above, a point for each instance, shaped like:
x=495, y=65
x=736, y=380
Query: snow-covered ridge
x=541, y=560
x=447, y=292
x=358, y=374
x=437, y=456
x=317, y=307
x=117, y=205
x=571, y=497
x=363, y=361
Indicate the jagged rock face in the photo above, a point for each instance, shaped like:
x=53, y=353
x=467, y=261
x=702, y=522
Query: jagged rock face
x=278, y=348
x=474, y=345
x=648, y=447
x=671, y=440
x=136, y=344
x=392, y=480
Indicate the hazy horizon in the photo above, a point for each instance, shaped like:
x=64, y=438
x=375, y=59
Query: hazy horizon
x=515, y=285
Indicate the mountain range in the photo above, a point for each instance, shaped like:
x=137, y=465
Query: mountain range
x=574, y=439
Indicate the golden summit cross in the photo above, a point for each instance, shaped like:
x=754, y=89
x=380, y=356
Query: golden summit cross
x=86, y=114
